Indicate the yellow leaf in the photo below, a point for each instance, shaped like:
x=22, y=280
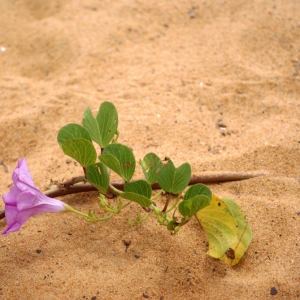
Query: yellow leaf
x=237, y=250
x=220, y=226
x=228, y=232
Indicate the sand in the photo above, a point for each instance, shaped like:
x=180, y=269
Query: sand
x=176, y=71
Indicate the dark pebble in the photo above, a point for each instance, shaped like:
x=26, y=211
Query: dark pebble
x=273, y=291
x=137, y=256
x=145, y=295
x=38, y=251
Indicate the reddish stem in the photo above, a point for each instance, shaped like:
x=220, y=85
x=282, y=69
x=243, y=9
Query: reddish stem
x=71, y=186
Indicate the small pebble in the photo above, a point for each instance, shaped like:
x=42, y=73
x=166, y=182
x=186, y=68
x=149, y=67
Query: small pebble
x=38, y=251
x=191, y=13
x=273, y=291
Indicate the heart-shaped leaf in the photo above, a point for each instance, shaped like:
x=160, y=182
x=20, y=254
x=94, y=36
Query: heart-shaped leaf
x=120, y=159
x=81, y=150
x=97, y=175
x=151, y=165
x=191, y=206
x=138, y=191
x=72, y=131
x=140, y=187
x=107, y=119
x=219, y=225
x=174, y=180
x=196, y=197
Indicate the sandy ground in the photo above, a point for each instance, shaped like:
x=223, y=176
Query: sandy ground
x=175, y=70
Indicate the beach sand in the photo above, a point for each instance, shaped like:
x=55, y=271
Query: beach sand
x=215, y=84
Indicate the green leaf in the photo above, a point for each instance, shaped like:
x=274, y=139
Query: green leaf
x=197, y=190
x=81, y=150
x=190, y=207
x=174, y=180
x=140, y=187
x=151, y=165
x=138, y=191
x=91, y=124
x=196, y=197
x=107, y=119
x=141, y=200
x=97, y=176
x=72, y=131
x=120, y=159
x=219, y=225
x=244, y=236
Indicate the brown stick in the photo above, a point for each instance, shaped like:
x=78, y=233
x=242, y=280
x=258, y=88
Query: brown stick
x=67, y=188
x=71, y=186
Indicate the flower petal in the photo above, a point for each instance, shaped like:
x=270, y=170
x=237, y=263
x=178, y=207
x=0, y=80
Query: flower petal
x=12, y=228
x=21, y=175
x=11, y=197
x=11, y=212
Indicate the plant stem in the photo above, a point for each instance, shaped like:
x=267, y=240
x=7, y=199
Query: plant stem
x=159, y=213
x=140, y=220
x=69, y=187
x=167, y=203
x=115, y=190
x=88, y=218
x=129, y=202
x=157, y=195
x=175, y=203
x=66, y=189
x=71, y=209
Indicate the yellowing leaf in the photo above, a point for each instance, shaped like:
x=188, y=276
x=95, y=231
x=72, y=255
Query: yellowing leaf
x=220, y=226
x=237, y=250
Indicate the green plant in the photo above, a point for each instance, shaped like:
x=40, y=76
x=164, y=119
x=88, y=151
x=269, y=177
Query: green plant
x=226, y=227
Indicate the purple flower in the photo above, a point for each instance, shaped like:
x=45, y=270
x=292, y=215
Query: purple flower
x=25, y=200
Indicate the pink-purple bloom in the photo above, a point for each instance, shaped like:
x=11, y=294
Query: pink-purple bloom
x=25, y=200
